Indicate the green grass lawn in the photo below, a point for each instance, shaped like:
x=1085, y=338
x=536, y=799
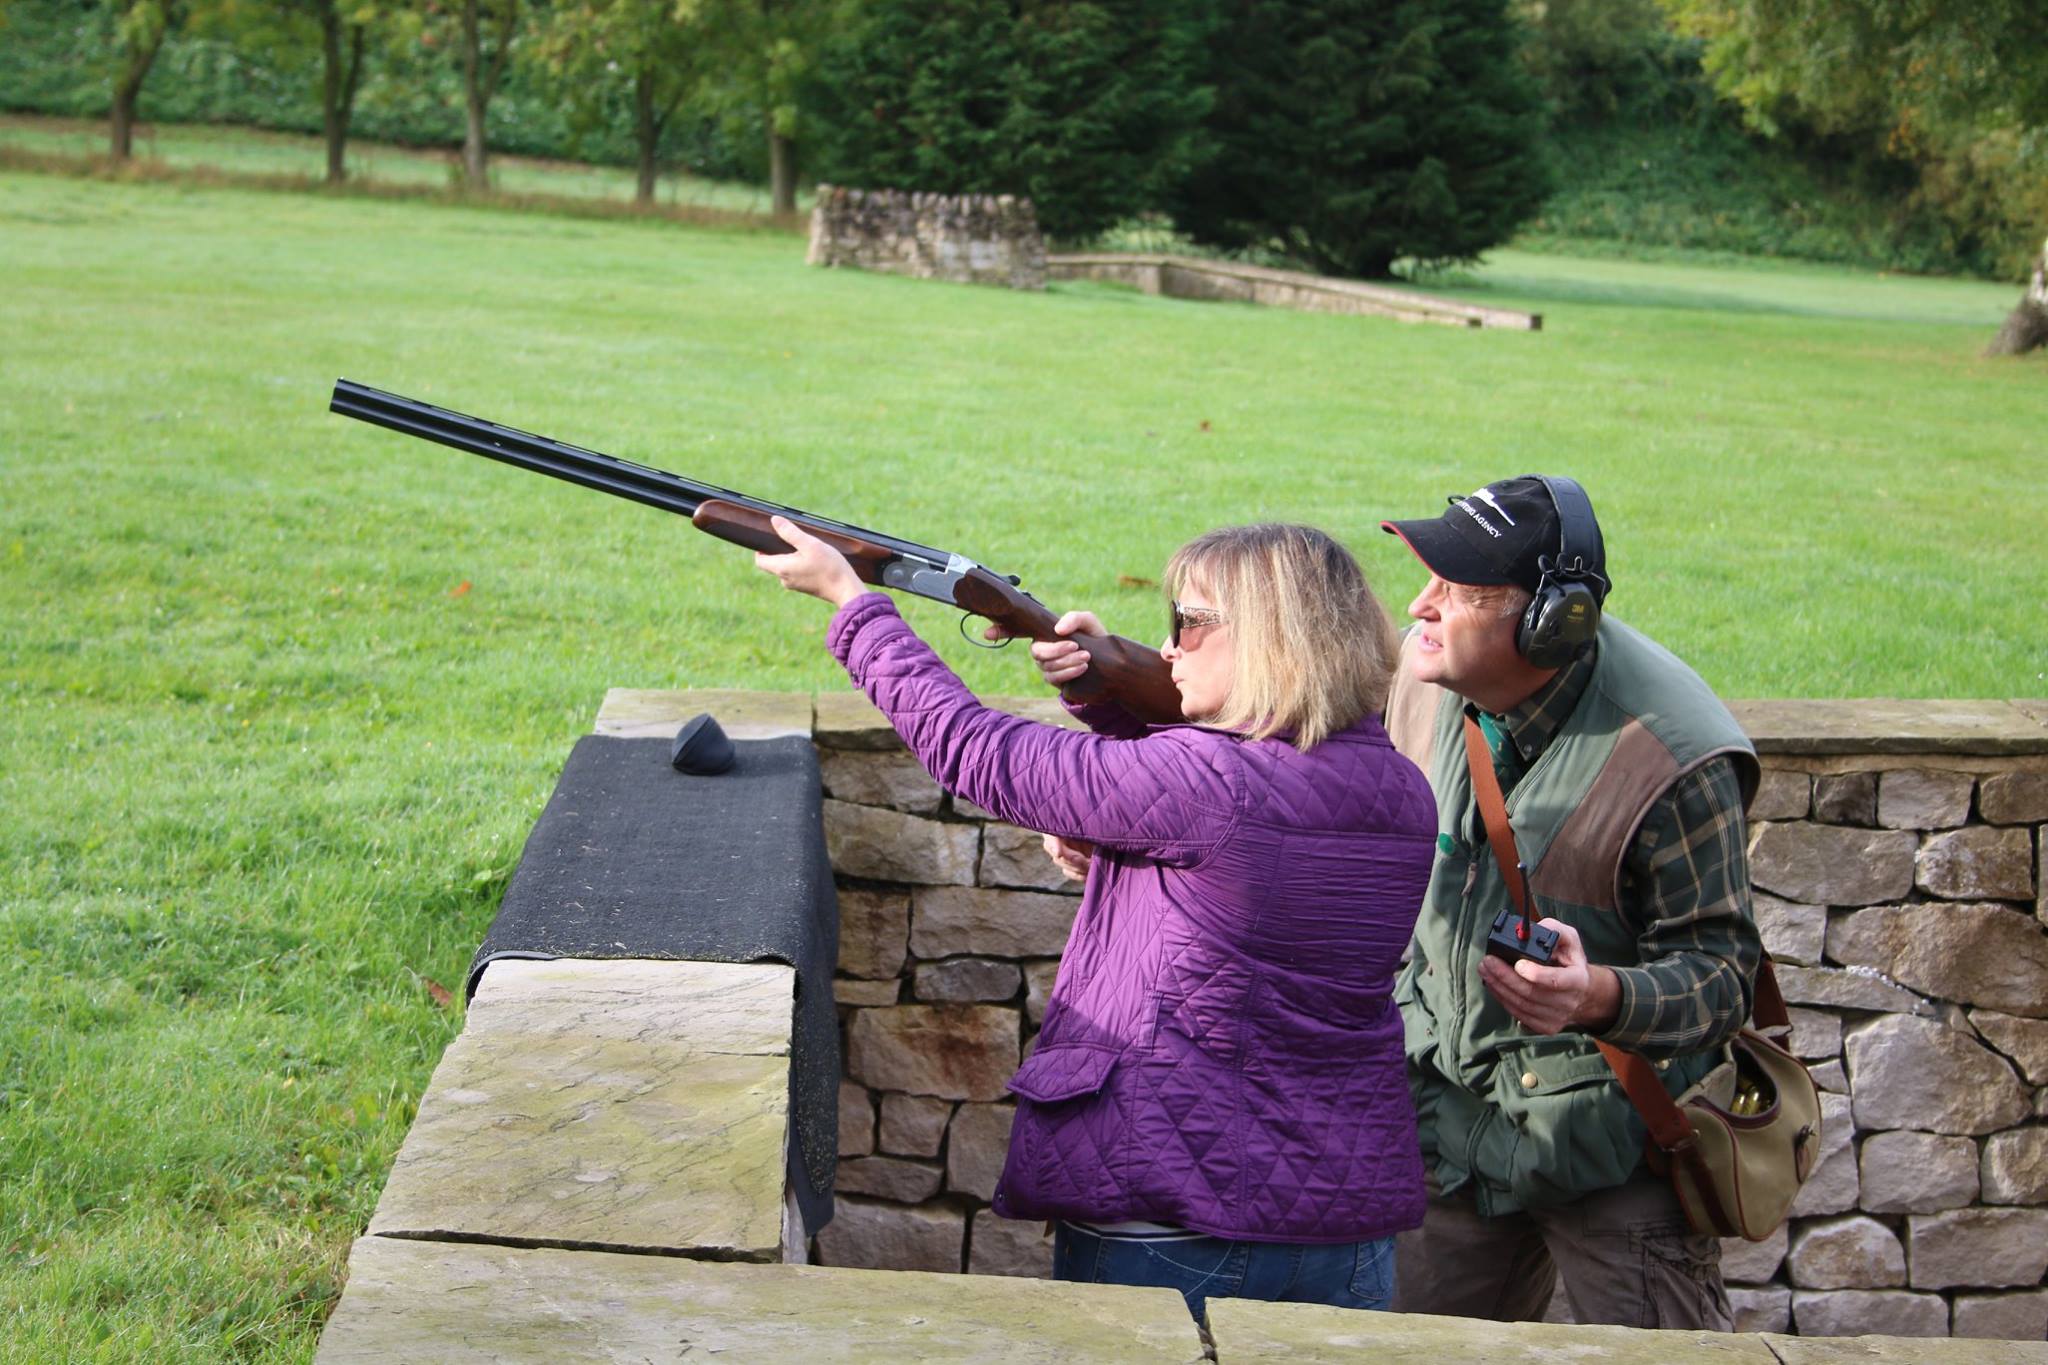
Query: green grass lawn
x=281, y=694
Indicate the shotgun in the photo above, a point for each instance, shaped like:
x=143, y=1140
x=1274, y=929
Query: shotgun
x=1119, y=670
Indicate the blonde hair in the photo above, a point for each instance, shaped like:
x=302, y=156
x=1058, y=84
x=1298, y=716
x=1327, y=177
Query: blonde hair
x=1312, y=649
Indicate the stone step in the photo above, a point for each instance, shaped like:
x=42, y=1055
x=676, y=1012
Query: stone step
x=450, y=1303
x=621, y=1104
x=1245, y=1332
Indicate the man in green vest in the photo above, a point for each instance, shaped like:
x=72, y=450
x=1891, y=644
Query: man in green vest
x=1625, y=782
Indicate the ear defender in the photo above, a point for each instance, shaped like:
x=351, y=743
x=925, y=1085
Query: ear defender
x=1565, y=612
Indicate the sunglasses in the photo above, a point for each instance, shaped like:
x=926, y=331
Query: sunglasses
x=1185, y=618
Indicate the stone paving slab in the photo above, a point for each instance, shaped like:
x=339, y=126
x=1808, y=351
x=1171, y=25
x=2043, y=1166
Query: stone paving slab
x=451, y=1302
x=643, y=713
x=1902, y=1350
x=622, y=1104
x=738, y=1007
x=1888, y=726
x=848, y=720
x=1312, y=1334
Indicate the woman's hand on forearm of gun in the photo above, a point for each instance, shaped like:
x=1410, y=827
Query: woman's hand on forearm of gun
x=811, y=567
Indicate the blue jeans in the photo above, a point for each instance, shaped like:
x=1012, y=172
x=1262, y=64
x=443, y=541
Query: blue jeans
x=1347, y=1275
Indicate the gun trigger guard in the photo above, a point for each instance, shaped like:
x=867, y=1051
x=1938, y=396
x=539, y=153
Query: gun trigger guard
x=965, y=617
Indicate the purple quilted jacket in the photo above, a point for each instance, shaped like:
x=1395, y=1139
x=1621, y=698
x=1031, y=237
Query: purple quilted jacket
x=1221, y=1050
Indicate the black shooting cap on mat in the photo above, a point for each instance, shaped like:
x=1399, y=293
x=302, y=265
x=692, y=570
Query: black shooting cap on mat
x=701, y=747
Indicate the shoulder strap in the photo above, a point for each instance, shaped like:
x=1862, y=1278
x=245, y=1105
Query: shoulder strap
x=1493, y=810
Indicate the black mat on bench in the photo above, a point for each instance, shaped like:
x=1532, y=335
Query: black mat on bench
x=634, y=859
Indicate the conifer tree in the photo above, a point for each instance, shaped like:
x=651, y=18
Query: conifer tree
x=1085, y=107
x=1351, y=134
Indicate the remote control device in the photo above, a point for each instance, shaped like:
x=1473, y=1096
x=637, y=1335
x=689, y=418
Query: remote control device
x=1513, y=937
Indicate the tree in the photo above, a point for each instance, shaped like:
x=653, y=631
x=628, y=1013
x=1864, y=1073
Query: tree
x=764, y=55
x=293, y=30
x=342, y=26
x=1591, y=57
x=481, y=34
x=783, y=58
x=1961, y=88
x=646, y=53
x=140, y=27
x=1088, y=109
x=1349, y=134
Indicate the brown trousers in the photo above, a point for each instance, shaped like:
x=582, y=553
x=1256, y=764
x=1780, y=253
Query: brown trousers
x=1627, y=1256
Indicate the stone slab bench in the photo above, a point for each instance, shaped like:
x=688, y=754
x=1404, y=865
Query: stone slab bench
x=622, y=1104
x=449, y=1302
x=457, y=1302
x=1248, y=1333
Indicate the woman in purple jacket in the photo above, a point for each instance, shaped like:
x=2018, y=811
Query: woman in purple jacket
x=1216, y=1101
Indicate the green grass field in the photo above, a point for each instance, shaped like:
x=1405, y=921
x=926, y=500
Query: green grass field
x=281, y=694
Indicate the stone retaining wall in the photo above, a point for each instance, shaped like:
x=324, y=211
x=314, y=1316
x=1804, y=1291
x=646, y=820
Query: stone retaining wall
x=1896, y=851
x=1194, y=277
x=1898, y=880
x=969, y=238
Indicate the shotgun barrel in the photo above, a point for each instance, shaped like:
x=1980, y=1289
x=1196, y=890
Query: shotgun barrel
x=574, y=464
x=1120, y=670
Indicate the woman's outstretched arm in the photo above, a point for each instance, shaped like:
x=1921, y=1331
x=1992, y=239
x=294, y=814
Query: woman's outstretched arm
x=1171, y=795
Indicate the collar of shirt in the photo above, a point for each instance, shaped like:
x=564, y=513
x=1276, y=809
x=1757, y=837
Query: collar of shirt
x=1537, y=720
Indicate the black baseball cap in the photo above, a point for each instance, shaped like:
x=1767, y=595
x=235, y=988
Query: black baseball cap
x=1495, y=536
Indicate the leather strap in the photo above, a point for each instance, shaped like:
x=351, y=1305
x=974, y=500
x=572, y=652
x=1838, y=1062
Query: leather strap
x=1493, y=810
x=1768, y=1010
x=1669, y=1128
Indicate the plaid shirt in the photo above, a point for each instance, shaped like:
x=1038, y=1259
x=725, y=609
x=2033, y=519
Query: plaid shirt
x=1685, y=887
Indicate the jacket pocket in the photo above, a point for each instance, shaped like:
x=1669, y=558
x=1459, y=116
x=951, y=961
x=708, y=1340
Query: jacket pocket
x=1568, y=1127
x=1066, y=1072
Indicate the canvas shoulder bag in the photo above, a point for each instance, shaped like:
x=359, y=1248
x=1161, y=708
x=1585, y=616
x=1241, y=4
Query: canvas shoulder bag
x=1736, y=1146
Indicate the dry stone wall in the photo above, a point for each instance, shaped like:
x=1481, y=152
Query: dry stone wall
x=1896, y=851
x=1902, y=893
x=951, y=925
x=966, y=238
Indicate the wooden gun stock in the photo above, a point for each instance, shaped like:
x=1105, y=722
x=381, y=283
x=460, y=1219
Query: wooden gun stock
x=1132, y=675
x=745, y=526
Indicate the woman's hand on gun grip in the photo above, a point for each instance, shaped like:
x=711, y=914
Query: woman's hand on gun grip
x=1072, y=856
x=811, y=567
x=1060, y=661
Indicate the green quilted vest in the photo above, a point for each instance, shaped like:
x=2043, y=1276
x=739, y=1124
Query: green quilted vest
x=1529, y=1120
